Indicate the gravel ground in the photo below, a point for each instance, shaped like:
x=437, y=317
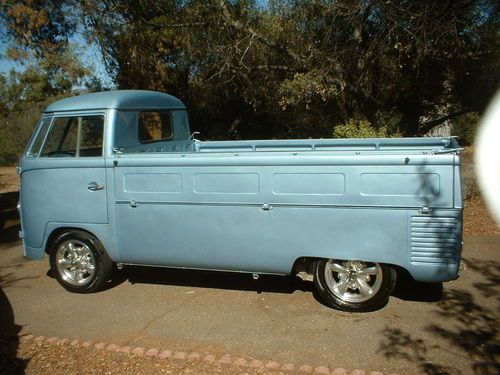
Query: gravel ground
x=64, y=359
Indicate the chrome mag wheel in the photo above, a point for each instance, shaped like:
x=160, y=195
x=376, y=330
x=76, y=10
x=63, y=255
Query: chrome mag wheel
x=79, y=261
x=75, y=262
x=353, y=281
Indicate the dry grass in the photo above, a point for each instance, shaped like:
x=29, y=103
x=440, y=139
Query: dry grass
x=467, y=155
x=477, y=219
x=9, y=180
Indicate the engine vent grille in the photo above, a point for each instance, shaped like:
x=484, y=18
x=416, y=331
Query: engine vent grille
x=434, y=240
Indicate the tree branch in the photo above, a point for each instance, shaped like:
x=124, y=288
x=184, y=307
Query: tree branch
x=429, y=125
x=249, y=30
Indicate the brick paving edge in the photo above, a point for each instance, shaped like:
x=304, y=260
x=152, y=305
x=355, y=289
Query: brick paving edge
x=209, y=358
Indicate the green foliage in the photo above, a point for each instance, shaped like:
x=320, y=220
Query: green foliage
x=38, y=33
x=361, y=129
x=277, y=69
x=15, y=131
x=23, y=97
x=305, y=88
x=282, y=69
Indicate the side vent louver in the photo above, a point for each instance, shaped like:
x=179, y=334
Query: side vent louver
x=434, y=240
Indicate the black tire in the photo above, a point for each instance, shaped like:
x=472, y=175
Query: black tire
x=353, y=286
x=79, y=262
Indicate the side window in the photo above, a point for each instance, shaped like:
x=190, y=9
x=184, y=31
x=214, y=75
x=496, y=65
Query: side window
x=40, y=137
x=61, y=140
x=74, y=137
x=155, y=126
x=91, y=136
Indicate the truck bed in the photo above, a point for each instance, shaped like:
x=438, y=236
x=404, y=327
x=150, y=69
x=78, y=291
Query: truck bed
x=428, y=145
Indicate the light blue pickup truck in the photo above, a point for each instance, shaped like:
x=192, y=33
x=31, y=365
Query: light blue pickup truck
x=117, y=177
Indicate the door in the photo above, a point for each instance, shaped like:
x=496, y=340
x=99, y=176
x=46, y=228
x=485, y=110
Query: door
x=63, y=175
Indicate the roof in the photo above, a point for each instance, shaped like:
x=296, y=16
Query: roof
x=119, y=99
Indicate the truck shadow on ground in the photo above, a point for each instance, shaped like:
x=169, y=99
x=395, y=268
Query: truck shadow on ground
x=9, y=331
x=210, y=279
x=471, y=329
x=9, y=340
x=9, y=217
x=406, y=288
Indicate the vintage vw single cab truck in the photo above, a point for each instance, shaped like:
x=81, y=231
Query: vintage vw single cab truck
x=117, y=177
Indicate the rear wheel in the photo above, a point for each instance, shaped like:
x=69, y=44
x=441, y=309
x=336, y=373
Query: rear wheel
x=79, y=262
x=353, y=285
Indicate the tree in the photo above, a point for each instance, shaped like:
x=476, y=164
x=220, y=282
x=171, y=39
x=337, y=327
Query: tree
x=300, y=67
x=284, y=68
x=38, y=33
x=23, y=97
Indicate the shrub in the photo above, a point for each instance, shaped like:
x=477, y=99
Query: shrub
x=361, y=129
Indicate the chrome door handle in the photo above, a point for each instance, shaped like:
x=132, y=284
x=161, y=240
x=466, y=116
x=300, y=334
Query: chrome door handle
x=94, y=186
x=425, y=210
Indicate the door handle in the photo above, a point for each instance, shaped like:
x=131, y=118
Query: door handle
x=94, y=186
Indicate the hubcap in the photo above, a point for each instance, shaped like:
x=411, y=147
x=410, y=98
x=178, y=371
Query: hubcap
x=353, y=280
x=75, y=262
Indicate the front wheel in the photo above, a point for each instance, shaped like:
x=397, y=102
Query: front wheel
x=353, y=285
x=79, y=262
